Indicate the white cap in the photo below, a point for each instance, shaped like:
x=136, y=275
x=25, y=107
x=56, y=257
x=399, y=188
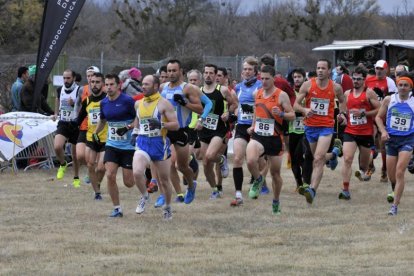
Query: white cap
x=93, y=69
x=381, y=64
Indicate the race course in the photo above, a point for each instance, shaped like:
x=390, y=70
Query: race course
x=46, y=228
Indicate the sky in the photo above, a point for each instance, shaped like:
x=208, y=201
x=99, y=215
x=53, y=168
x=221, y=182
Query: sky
x=387, y=6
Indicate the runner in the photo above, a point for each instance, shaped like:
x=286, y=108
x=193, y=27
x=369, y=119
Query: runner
x=246, y=92
x=67, y=105
x=362, y=105
x=299, y=150
x=186, y=99
x=117, y=110
x=398, y=134
x=95, y=144
x=155, y=116
x=212, y=129
x=272, y=106
x=319, y=94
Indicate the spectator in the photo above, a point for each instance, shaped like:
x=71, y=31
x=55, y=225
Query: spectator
x=27, y=95
x=22, y=76
x=343, y=78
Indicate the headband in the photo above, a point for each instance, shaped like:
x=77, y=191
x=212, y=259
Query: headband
x=407, y=79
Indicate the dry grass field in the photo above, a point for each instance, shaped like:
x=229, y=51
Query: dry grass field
x=49, y=229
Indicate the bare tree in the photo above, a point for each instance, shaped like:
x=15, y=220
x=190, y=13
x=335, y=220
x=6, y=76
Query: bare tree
x=402, y=20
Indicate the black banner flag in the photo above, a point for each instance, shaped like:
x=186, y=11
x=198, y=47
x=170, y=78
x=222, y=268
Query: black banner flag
x=59, y=16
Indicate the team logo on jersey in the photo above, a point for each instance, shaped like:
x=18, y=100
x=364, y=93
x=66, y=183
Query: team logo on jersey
x=11, y=133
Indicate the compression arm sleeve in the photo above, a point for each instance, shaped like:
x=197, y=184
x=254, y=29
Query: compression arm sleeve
x=208, y=105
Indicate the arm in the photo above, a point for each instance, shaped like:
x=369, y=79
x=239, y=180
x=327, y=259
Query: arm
x=339, y=93
x=373, y=99
x=192, y=93
x=232, y=103
x=297, y=106
x=287, y=114
x=379, y=118
x=82, y=113
x=169, y=113
x=208, y=105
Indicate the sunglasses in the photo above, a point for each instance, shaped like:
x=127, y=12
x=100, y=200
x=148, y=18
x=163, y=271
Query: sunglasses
x=357, y=79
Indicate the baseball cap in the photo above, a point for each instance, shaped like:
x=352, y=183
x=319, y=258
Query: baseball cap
x=93, y=69
x=381, y=64
x=134, y=73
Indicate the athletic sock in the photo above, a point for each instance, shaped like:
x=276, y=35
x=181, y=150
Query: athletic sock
x=346, y=186
x=275, y=201
x=238, y=178
x=239, y=194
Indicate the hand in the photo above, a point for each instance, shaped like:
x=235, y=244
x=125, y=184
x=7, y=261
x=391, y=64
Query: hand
x=121, y=131
x=276, y=111
x=154, y=124
x=356, y=112
x=250, y=130
x=53, y=117
x=71, y=102
x=341, y=119
x=133, y=139
x=95, y=138
x=199, y=125
x=180, y=99
x=247, y=108
x=225, y=116
x=232, y=118
x=384, y=136
x=308, y=112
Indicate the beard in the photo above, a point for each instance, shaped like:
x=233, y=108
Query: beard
x=68, y=84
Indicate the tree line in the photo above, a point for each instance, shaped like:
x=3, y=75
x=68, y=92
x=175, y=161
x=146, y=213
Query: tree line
x=193, y=28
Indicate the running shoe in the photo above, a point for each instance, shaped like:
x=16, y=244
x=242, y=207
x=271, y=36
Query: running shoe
x=76, y=182
x=338, y=144
x=393, y=211
x=362, y=176
x=302, y=189
x=224, y=167
x=215, y=194
x=265, y=190
x=309, y=195
x=116, y=213
x=237, y=201
x=167, y=213
x=333, y=163
x=390, y=197
x=160, y=201
x=276, y=208
x=256, y=188
x=179, y=198
x=98, y=196
x=86, y=179
x=190, y=194
x=344, y=195
x=152, y=186
x=61, y=171
x=141, y=204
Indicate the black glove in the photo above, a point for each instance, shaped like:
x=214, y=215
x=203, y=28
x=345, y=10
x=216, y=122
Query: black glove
x=121, y=131
x=232, y=118
x=154, y=124
x=180, y=99
x=133, y=139
x=247, y=108
x=95, y=138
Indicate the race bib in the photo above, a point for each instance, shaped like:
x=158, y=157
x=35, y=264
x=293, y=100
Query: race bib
x=320, y=106
x=264, y=127
x=357, y=120
x=66, y=113
x=245, y=115
x=144, y=129
x=298, y=124
x=211, y=121
x=400, y=121
x=94, y=114
x=112, y=128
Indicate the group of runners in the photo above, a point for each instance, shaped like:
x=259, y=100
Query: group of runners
x=174, y=124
